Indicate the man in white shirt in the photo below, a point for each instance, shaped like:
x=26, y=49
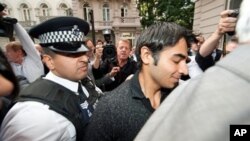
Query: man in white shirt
x=193, y=68
x=56, y=107
x=23, y=56
x=26, y=63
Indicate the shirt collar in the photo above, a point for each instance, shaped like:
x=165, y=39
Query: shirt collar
x=71, y=85
x=137, y=93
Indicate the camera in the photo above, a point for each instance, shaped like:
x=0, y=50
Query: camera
x=234, y=14
x=6, y=23
x=6, y=26
x=109, y=50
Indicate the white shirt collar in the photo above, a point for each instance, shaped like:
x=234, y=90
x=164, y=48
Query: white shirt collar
x=71, y=85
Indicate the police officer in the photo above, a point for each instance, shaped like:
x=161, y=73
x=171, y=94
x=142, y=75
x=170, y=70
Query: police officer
x=57, y=106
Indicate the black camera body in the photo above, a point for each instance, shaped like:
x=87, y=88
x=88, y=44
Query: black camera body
x=235, y=15
x=6, y=23
x=109, y=54
x=6, y=26
x=109, y=50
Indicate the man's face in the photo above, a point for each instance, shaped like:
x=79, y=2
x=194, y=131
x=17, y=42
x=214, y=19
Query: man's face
x=13, y=56
x=170, y=67
x=123, y=50
x=195, y=48
x=99, y=43
x=70, y=66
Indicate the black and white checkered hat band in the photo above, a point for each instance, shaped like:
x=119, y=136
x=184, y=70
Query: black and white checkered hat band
x=61, y=36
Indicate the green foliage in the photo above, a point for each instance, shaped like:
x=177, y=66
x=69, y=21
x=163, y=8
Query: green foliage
x=178, y=11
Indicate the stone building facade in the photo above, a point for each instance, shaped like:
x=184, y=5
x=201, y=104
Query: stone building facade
x=207, y=15
x=120, y=17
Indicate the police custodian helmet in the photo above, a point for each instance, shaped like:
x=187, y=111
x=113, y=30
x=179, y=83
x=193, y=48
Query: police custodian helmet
x=62, y=34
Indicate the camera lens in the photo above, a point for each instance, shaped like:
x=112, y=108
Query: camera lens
x=109, y=52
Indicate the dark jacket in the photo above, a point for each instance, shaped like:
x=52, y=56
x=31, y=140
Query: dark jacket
x=106, y=67
x=121, y=113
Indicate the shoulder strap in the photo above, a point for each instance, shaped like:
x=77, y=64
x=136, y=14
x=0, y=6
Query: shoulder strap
x=90, y=86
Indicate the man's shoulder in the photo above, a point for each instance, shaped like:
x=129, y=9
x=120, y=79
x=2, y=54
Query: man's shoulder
x=119, y=93
x=36, y=117
x=43, y=84
x=122, y=89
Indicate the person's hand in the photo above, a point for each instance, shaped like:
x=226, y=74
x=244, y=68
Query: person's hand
x=227, y=23
x=114, y=71
x=98, y=51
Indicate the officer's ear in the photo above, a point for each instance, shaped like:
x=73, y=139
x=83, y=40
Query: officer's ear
x=146, y=55
x=48, y=60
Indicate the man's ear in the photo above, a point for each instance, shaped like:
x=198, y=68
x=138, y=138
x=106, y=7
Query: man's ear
x=146, y=55
x=48, y=60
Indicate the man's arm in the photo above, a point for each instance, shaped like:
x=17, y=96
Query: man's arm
x=32, y=121
x=98, y=56
x=226, y=24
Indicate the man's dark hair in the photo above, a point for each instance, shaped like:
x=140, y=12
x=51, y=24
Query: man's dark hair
x=159, y=36
x=2, y=7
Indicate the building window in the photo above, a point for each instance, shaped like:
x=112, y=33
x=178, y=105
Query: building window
x=44, y=10
x=86, y=9
x=106, y=12
x=124, y=11
x=64, y=10
x=25, y=12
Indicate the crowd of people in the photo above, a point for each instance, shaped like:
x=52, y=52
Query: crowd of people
x=172, y=85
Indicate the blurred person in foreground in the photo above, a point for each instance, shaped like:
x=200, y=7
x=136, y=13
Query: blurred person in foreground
x=204, y=108
x=58, y=106
x=9, y=87
x=162, y=53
